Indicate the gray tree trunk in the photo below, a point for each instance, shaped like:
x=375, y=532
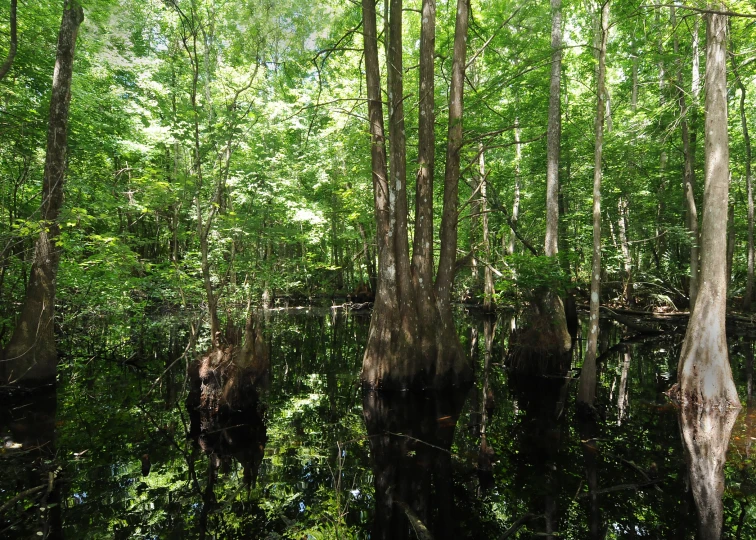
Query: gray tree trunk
x=31, y=355
x=748, y=295
x=587, y=388
x=704, y=374
x=689, y=179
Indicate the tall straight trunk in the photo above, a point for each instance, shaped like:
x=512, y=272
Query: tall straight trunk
x=730, y=241
x=704, y=374
x=634, y=95
x=422, y=248
x=748, y=296
x=689, y=180
x=31, y=353
x=553, y=135
x=627, y=261
x=587, y=388
x=516, y=198
x=448, y=255
x=550, y=303
x=622, y=395
x=5, y=68
x=488, y=283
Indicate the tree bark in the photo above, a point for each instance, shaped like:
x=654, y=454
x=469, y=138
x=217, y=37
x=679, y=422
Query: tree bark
x=5, y=68
x=587, y=388
x=748, y=296
x=488, y=282
x=553, y=134
x=553, y=306
x=516, y=198
x=704, y=374
x=689, y=180
x=448, y=255
x=31, y=353
x=706, y=436
x=412, y=340
x=627, y=261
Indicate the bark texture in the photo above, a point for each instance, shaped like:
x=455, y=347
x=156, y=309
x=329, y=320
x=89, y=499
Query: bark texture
x=689, y=158
x=5, y=68
x=706, y=436
x=748, y=295
x=587, y=388
x=412, y=340
x=30, y=356
x=704, y=374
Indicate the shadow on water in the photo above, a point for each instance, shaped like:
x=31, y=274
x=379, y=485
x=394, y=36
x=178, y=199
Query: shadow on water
x=410, y=437
x=29, y=452
x=706, y=436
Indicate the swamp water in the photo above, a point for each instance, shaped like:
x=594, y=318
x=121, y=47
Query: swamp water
x=111, y=454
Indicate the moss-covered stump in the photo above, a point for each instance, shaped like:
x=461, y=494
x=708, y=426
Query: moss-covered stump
x=542, y=344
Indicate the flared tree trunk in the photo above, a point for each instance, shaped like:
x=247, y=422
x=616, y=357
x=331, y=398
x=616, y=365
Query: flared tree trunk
x=704, y=374
x=706, y=436
x=412, y=340
x=31, y=354
x=587, y=388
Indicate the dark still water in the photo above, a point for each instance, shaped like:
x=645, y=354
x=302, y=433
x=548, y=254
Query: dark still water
x=112, y=454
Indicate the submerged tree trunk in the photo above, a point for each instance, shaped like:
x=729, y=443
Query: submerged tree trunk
x=704, y=374
x=587, y=388
x=410, y=436
x=412, y=340
x=31, y=354
x=706, y=436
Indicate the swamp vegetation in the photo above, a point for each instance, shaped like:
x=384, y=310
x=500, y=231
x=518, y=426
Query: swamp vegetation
x=379, y=269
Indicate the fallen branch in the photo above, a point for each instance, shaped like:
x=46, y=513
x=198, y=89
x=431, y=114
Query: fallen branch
x=20, y=496
x=620, y=487
x=517, y=525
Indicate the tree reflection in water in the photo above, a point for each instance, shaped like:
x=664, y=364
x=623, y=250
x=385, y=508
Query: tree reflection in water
x=706, y=436
x=410, y=437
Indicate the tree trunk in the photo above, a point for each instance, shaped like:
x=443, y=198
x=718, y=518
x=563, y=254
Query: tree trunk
x=516, y=199
x=689, y=180
x=552, y=303
x=412, y=340
x=748, y=296
x=622, y=395
x=587, y=388
x=31, y=353
x=5, y=68
x=706, y=436
x=627, y=262
x=704, y=374
x=730, y=241
x=488, y=282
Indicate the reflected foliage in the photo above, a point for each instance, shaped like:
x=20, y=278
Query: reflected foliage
x=311, y=457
